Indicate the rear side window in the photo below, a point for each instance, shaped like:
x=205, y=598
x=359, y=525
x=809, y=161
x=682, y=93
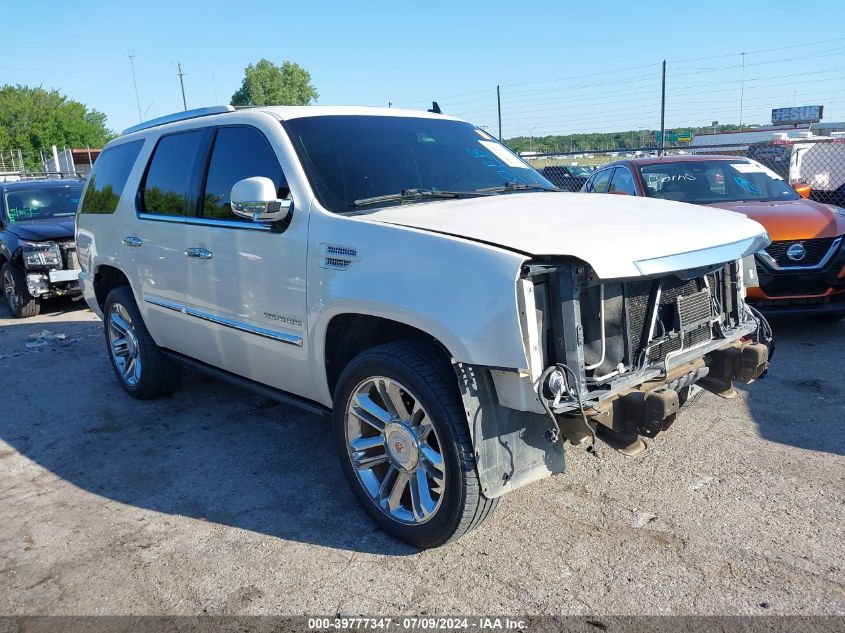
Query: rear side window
x=170, y=174
x=239, y=152
x=108, y=178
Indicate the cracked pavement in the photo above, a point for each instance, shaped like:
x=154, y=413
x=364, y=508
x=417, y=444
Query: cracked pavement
x=218, y=501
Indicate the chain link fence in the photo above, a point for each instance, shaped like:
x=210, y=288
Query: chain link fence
x=818, y=162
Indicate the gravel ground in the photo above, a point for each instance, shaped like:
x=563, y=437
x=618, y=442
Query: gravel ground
x=217, y=501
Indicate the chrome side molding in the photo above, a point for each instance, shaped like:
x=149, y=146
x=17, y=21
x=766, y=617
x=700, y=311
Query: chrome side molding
x=282, y=337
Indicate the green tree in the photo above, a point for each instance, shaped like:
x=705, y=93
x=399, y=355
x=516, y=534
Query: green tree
x=33, y=119
x=610, y=141
x=267, y=84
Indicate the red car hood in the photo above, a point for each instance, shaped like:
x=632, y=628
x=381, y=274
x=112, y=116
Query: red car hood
x=792, y=219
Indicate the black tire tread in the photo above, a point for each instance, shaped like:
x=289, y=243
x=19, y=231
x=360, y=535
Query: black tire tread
x=160, y=375
x=433, y=367
x=29, y=307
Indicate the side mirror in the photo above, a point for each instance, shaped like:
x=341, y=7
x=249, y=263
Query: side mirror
x=802, y=189
x=256, y=199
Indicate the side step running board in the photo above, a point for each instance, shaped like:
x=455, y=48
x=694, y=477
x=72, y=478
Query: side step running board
x=268, y=392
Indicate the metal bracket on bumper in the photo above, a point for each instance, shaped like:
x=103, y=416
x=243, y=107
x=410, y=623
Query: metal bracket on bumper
x=511, y=449
x=652, y=406
x=741, y=362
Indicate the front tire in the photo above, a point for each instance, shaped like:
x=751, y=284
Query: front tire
x=21, y=304
x=140, y=366
x=402, y=438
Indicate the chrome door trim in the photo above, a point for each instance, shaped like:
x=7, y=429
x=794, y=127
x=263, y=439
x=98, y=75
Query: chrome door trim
x=156, y=217
x=230, y=224
x=195, y=221
x=282, y=337
x=770, y=262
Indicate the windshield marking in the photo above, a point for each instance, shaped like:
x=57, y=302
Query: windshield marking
x=501, y=152
x=746, y=184
x=713, y=181
x=489, y=161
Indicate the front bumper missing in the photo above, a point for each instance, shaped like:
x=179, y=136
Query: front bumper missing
x=653, y=406
x=512, y=447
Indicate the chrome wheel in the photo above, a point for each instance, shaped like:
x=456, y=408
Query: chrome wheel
x=123, y=344
x=9, y=290
x=395, y=450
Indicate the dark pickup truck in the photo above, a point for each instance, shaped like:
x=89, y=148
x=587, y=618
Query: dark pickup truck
x=37, y=250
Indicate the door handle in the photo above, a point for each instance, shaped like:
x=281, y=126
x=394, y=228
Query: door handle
x=199, y=253
x=132, y=241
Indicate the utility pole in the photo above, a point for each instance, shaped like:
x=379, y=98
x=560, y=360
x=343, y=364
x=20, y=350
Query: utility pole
x=135, y=83
x=741, y=90
x=499, y=104
x=182, y=83
x=663, y=113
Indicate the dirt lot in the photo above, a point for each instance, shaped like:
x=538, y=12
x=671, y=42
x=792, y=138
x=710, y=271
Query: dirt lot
x=218, y=501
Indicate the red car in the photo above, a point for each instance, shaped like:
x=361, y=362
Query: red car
x=801, y=272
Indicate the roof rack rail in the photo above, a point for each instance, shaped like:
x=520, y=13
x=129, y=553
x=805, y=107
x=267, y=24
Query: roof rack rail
x=17, y=176
x=179, y=116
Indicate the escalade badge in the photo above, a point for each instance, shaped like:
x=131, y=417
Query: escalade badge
x=283, y=319
x=796, y=252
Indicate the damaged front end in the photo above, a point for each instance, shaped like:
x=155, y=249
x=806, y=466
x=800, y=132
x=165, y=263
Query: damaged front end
x=51, y=268
x=626, y=353
x=615, y=359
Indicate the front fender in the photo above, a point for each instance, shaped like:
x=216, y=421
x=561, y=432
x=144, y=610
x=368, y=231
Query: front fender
x=462, y=293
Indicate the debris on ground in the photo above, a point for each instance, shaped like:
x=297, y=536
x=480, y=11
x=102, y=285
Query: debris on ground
x=42, y=338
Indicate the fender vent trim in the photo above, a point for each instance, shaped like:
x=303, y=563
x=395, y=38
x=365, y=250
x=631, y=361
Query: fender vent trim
x=337, y=257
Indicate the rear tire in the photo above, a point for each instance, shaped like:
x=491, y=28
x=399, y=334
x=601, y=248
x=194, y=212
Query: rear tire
x=403, y=441
x=139, y=364
x=21, y=304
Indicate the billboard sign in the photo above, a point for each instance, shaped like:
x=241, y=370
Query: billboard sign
x=802, y=114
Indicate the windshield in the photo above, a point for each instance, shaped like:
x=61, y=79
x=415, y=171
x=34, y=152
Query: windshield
x=23, y=205
x=709, y=181
x=350, y=159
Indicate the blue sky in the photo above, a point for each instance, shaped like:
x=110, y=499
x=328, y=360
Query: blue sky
x=563, y=66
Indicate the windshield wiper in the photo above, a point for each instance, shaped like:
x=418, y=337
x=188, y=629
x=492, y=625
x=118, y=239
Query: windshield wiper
x=508, y=187
x=413, y=194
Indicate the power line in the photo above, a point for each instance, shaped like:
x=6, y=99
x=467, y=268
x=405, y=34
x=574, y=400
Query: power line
x=760, y=50
x=651, y=95
x=655, y=66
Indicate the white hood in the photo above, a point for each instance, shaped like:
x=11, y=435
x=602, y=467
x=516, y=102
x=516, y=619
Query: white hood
x=619, y=236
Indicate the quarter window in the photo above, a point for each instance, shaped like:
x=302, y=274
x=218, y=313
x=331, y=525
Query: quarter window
x=169, y=176
x=107, y=179
x=239, y=152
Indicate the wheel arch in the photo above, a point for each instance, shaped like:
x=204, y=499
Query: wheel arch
x=106, y=279
x=349, y=333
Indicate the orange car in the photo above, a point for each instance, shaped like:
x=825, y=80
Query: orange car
x=801, y=272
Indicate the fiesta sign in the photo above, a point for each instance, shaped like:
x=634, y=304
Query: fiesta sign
x=802, y=114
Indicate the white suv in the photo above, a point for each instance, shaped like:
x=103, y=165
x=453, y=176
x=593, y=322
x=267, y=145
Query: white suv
x=403, y=272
